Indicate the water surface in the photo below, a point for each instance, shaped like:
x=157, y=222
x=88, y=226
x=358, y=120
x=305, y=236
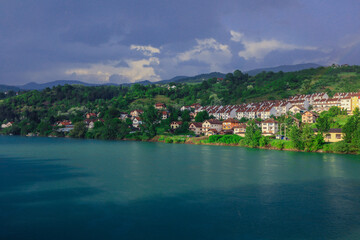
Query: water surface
x=81, y=189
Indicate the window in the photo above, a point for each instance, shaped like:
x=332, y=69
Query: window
x=338, y=136
x=328, y=136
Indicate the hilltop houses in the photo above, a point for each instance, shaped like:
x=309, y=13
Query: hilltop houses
x=230, y=123
x=7, y=125
x=160, y=106
x=333, y=135
x=240, y=129
x=136, y=122
x=269, y=127
x=309, y=117
x=211, y=124
x=196, y=127
x=175, y=124
x=136, y=113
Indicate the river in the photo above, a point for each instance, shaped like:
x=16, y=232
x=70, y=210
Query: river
x=56, y=188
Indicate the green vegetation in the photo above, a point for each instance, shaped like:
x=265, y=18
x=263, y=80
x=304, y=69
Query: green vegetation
x=36, y=112
x=226, y=139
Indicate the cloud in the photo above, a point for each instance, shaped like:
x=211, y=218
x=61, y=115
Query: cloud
x=260, y=49
x=146, y=50
x=236, y=36
x=136, y=70
x=208, y=51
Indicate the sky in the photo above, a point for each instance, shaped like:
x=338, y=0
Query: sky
x=130, y=40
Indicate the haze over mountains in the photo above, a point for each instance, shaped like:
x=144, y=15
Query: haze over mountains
x=177, y=79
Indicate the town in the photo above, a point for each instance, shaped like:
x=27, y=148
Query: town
x=234, y=119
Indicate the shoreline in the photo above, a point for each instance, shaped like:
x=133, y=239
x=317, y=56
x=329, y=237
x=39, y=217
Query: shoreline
x=190, y=141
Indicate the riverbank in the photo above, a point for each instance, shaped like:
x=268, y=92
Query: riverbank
x=280, y=145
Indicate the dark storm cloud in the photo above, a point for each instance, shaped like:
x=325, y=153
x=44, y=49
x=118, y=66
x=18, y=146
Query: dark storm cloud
x=41, y=40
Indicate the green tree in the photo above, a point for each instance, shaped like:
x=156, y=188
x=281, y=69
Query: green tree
x=295, y=137
x=351, y=126
x=185, y=116
x=308, y=137
x=202, y=116
x=150, y=117
x=252, y=134
x=79, y=130
x=323, y=123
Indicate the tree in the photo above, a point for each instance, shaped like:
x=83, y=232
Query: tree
x=323, y=123
x=351, y=126
x=185, y=116
x=308, y=137
x=112, y=113
x=79, y=130
x=295, y=137
x=252, y=134
x=202, y=116
x=114, y=129
x=149, y=119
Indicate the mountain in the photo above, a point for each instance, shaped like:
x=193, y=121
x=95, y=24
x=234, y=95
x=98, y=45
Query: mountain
x=177, y=79
x=194, y=79
x=5, y=88
x=284, y=68
x=40, y=86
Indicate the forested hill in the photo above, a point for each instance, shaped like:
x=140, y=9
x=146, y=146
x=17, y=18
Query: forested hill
x=233, y=89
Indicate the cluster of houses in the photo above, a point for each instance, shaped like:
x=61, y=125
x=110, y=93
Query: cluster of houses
x=225, y=122
x=319, y=102
x=225, y=118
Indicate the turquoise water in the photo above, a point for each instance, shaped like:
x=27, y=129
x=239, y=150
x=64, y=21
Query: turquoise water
x=80, y=189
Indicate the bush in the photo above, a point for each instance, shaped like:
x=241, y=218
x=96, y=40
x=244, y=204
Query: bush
x=279, y=144
x=341, y=147
x=227, y=139
x=264, y=141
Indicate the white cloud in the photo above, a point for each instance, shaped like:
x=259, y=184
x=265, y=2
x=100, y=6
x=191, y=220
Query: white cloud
x=146, y=50
x=260, y=49
x=236, y=36
x=208, y=51
x=135, y=71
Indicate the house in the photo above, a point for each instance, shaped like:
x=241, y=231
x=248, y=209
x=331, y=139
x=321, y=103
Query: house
x=296, y=109
x=164, y=115
x=90, y=123
x=309, y=117
x=195, y=127
x=160, y=106
x=211, y=124
x=91, y=115
x=123, y=116
x=195, y=105
x=64, y=123
x=176, y=124
x=269, y=127
x=136, y=113
x=230, y=123
x=333, y=135
x=240, y=129
x=6, y=125
x=183, y=108
x=136, y=122
x=211, y=132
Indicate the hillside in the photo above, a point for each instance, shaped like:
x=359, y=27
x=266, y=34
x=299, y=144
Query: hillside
x=235, y=88
x=284, y=68
x=4, y=88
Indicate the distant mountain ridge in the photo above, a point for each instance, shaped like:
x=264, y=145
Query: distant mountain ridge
x=284, y=68
x=177, y=79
